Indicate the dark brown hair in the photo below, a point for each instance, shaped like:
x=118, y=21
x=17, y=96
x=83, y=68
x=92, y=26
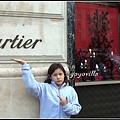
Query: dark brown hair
x=52, y=68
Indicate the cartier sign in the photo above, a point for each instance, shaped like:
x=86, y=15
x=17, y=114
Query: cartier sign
x=18, y=42
x=34, y=33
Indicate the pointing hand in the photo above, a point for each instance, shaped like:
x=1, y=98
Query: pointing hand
x=63, y=102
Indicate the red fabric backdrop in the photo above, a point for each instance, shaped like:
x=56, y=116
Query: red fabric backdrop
x=82, y=35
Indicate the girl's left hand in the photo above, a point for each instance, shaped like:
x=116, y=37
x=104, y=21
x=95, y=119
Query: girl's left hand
x=63, y=102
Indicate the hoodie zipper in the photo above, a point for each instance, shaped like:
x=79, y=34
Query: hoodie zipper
x=59, y=103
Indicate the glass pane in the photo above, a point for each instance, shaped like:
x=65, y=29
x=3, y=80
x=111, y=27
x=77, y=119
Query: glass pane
x=96, y=43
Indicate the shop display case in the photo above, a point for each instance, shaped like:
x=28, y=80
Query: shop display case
x=96, y=43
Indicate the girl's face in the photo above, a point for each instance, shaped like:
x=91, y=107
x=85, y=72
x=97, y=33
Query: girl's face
x=58, y=77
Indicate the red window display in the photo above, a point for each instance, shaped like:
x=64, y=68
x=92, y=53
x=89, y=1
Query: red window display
x=96, y=42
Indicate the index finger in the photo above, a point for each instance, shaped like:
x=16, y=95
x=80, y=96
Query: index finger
x=60, y=98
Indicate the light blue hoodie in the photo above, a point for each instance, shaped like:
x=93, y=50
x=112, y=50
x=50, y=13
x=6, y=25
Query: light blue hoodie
x=47, y=94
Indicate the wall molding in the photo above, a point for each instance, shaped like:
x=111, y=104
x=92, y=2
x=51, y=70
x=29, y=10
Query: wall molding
x=31, y=15
x=38, y=72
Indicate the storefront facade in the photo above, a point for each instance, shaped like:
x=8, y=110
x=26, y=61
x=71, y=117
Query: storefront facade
x=41, y=33
x=95, y=30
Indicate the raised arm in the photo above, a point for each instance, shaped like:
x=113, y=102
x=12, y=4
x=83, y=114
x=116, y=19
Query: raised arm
x=30, y=83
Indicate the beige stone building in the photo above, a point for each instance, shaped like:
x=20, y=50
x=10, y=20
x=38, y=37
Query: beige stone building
x=34, y=31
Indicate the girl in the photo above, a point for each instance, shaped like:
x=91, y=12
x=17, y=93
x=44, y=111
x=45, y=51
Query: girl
x=57, y=99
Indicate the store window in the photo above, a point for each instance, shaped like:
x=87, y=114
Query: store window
x=96, y=43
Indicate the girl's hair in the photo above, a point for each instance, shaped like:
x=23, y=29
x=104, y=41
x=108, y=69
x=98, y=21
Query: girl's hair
x=52, y=68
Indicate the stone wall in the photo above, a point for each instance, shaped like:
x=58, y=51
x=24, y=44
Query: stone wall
x=22, y=24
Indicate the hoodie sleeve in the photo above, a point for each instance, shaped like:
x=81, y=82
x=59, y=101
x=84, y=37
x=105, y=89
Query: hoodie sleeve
x=73, y=107
x=30, y=83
